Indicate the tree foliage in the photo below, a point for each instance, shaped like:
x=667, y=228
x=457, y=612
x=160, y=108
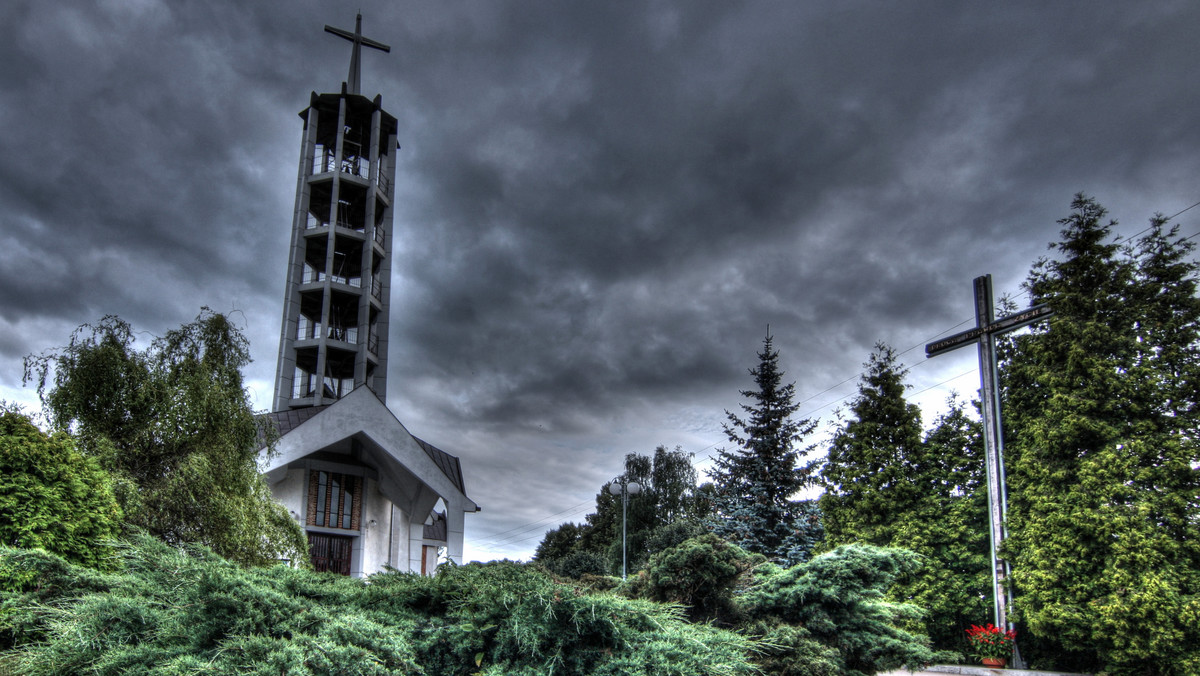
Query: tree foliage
x=185, y=610
x=889, y=484
x=173, y=422
x=667, y=511
x=1101, y=403
x=873, y=472
x=757, y=480
x=700, y=574
x=838, y=598
x=51, y=496
x=828, y=615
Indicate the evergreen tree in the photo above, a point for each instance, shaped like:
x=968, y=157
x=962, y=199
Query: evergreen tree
x=890, y=485
x=872, y=472
x=1101, y=407
x=756, y=481
x=949, y=528
x=173, y=424
x=51, y=496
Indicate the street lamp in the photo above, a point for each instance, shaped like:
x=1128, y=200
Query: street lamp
x=624, y=489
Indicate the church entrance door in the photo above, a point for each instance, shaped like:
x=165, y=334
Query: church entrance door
x=330, y=552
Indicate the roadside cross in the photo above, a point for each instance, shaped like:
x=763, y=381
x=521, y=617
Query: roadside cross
x=357, y=38
x=987, y=327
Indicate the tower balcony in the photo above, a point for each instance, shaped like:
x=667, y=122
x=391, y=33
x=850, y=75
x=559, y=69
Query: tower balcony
x=353, y=163
x=314, y=222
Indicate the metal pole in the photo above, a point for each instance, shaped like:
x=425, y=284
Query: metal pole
x=993, y=443
x=624, y=506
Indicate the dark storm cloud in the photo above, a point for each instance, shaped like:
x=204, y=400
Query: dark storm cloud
x=599, y=206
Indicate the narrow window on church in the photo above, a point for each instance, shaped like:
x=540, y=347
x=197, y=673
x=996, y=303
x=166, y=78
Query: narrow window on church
x=333, y=501
x=322, y=479
x=347, y=504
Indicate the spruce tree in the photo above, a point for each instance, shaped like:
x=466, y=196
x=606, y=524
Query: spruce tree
x=757, y=480
x=1101, y=411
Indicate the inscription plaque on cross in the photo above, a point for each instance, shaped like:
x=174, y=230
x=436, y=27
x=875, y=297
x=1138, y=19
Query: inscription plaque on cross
x=357, y=38
x=987, y=327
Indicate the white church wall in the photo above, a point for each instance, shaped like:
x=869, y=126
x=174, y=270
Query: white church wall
x=380, y=546
x=290, y=493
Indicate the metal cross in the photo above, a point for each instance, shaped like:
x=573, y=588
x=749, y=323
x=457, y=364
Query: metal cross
x=357, y=38
x=984, y=334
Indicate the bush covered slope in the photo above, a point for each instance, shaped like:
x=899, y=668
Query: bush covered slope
x=185, y=611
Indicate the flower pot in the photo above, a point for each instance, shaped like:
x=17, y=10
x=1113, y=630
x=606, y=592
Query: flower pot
x=994, y=661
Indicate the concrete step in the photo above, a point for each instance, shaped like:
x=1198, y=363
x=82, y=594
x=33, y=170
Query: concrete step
x=975, y=670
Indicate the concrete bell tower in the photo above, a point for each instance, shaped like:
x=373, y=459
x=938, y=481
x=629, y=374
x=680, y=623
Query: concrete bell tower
x=335, y=313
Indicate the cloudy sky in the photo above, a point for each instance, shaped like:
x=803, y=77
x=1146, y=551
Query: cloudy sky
x=600, y=206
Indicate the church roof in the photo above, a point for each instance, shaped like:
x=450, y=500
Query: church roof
x=286, y=421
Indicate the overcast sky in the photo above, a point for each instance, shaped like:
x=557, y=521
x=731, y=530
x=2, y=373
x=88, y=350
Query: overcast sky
x=599, y=206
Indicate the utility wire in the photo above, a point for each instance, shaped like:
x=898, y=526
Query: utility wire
x=497, y=539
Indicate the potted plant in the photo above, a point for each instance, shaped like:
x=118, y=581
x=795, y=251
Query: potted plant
x=991, y=644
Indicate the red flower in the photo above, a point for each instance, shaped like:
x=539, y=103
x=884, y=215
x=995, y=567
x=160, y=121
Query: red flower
x=991, y=641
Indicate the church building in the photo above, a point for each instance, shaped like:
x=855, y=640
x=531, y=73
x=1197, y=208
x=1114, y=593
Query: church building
x=369, y=494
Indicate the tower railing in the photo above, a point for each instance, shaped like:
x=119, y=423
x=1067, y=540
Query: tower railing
x=311, y=275
x=324, y=159
x=307, y=329
x=346, y=334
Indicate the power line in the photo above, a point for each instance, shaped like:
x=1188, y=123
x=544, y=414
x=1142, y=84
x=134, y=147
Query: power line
x=500, y=535
x=502, y=538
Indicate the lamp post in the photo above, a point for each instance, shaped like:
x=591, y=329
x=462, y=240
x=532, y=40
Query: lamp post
x=624, y=489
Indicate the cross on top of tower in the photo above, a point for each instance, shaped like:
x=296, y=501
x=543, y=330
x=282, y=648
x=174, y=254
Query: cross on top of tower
x=357, y=38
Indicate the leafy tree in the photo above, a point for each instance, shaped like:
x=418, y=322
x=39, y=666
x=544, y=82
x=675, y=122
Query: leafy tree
x=665, y=512
x=756, y=481
x=51, y=496
x=558, y=542
x=173, y=422
x=1102, y=411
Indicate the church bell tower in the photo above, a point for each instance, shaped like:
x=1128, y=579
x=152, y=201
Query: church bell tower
x=335, y=316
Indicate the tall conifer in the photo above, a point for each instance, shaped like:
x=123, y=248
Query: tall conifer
x=869, y=475
x=1101, y=412
x=889, y=484
x=757, y=480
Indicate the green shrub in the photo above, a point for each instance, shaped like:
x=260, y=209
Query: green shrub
x=51, y=496
x=577, y=564
x=838, y=598
x=699, y=573
x=185, y=610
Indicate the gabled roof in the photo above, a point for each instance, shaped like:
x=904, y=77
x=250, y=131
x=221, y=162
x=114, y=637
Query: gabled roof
x=364, y=412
